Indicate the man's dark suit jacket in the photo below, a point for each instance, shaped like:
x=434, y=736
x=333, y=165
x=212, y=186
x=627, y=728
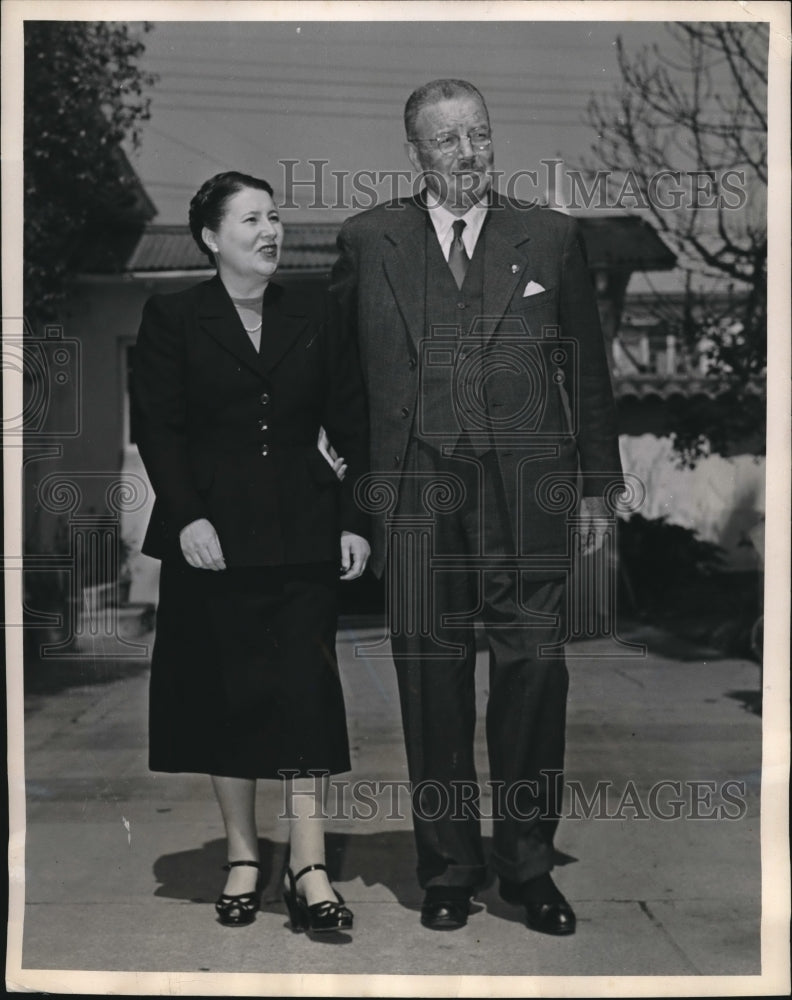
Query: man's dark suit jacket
x=379, y=281
x=231, y=435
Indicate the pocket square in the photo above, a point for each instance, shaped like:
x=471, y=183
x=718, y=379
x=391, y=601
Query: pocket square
x=533, y=288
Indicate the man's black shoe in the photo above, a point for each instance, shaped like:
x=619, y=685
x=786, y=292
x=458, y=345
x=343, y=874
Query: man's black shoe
x=446, y=908
x=546, y=910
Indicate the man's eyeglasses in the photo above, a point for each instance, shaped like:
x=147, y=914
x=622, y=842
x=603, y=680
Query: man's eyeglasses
x=448, y=142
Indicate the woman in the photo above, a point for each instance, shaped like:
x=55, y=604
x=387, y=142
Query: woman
x=233, y=380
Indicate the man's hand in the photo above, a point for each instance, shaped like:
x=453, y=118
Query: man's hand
x=354, y=555
x=594, y=523
x=337, y=464
x=201, y=546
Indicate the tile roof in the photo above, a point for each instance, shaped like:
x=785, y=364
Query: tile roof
x=309, y=247
x=665, y=387
x=166, y=248
x=624, y=242
x=671, y=284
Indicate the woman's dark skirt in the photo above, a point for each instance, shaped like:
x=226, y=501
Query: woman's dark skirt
x=244, y=676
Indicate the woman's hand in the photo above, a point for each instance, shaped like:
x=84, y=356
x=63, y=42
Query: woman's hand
x=201, y=546
x=354, y=555
x=338, y=465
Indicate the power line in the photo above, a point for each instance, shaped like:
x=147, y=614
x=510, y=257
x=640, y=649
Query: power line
x=378, y=71
x=487, y=50
x=266, y=112
x=185, y=145
x=369, y=84
x=332, y=98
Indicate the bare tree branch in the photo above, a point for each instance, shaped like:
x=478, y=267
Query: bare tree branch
x=697, y=109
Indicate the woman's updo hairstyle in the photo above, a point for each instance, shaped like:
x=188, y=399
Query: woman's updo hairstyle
x=208, y=205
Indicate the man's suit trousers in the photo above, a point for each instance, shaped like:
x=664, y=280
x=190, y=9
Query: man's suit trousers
x=451, y=511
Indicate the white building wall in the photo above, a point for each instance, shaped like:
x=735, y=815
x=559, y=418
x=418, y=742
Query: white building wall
x=723, y=499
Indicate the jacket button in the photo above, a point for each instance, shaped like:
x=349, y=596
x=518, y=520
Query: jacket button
x=263, y=425
x=405, y=411
x=265, y=449
x=264, y=398
x=396, y=459
x=461, y=305
x=413, y=363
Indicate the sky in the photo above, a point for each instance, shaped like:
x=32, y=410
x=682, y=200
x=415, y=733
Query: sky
x=250, y=95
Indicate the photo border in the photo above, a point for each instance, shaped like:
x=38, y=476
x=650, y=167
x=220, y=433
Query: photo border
x=774, y=977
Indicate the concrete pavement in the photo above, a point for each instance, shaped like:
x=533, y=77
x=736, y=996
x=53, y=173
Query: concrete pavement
x=122, y=865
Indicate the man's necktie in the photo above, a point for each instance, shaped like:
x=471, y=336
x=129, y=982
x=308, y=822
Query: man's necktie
x=458, y=259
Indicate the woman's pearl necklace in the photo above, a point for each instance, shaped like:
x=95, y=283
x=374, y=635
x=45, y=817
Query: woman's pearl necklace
x=252, y=305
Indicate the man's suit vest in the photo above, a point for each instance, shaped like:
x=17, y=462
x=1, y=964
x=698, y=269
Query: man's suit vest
x=449, y=358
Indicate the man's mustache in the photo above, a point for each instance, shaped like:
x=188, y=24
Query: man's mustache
x=472, y=164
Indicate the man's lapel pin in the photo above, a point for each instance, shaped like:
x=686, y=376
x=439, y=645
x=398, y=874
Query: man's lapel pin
x=515, y=268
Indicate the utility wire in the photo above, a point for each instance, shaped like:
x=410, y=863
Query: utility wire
x=233, y=75
x=332, y=98
x=267, y=112
x=186, y=145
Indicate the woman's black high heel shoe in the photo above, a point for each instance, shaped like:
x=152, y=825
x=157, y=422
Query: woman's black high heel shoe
x=236, y=911
x=318, y=918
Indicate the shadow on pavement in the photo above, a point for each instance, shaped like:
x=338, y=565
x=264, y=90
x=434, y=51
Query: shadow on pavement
x=661, y=642
x=751, y=701
x=383, y=858
x=45, y=677
x=376, y=858
x=700, y=617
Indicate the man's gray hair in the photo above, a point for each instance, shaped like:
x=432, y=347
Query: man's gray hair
x=431, y=93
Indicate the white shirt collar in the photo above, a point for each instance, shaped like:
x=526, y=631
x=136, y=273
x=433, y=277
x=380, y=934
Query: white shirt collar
x=443, y=221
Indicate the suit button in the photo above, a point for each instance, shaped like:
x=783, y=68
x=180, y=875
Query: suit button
x=413, y=363
x=405, y=412
x=461, y=305
x=263, y=425
x=264, y=398
x=265, y=449
x=397, y=459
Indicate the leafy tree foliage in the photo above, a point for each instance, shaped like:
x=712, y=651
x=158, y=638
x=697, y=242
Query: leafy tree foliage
x=698, y=107
x=84, y=95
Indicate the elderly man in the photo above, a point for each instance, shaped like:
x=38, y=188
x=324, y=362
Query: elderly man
x=488, y=392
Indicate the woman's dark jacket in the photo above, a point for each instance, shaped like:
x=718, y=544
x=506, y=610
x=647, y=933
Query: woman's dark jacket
x=230, y=435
